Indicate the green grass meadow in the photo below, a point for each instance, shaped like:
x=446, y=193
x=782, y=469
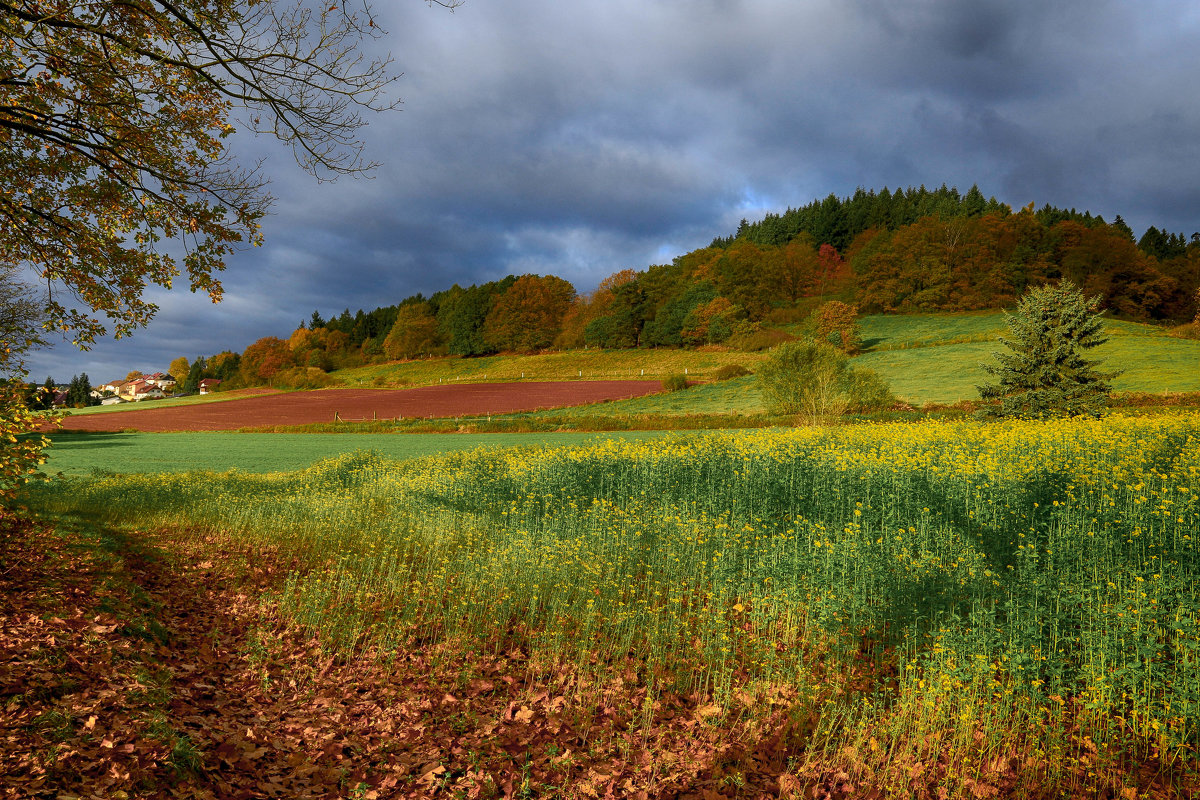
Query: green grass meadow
x=79, y=454
x=936, y=358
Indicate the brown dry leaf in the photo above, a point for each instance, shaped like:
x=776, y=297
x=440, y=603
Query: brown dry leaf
x=789, y=785
x=980, y=789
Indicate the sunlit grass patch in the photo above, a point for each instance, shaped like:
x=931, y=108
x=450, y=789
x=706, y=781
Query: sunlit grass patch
x=590, y=364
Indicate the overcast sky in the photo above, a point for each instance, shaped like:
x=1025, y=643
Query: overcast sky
x=580, y=138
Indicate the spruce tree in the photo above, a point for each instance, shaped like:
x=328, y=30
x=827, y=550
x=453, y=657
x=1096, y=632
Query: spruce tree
x=191, y=384
x=79, y=391
x=1045, y=374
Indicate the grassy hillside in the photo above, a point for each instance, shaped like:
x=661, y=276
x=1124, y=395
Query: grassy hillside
x=927, y=358
x=573, y=364
x=738, y=396
x=936, y=358
x=170, y=402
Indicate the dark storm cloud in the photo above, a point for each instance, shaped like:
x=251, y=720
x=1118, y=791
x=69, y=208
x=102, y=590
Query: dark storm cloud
x=582, y=138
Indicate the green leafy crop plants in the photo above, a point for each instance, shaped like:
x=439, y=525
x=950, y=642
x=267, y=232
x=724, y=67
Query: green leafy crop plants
x=946, y=592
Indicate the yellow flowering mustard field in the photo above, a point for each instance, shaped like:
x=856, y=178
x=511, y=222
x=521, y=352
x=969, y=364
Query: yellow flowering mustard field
x=961, y=590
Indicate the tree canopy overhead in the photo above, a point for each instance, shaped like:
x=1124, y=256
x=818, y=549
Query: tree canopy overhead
x=114, y=120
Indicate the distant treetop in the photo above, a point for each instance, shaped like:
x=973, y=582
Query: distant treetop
x=837, y=221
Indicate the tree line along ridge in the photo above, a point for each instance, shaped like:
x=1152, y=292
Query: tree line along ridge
x=908, y=251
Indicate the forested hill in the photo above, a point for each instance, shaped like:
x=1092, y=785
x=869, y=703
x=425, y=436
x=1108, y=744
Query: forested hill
x=912, y=250
x=836, y=222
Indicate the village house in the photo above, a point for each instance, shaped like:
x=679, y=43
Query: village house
x=209, y=385
x=162, y=380
x=139, y=389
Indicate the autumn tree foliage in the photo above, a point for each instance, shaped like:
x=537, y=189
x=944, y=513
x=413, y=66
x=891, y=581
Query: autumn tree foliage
x=179, y=369
x=586, y=309
x=415, y=333
x=904, y=251
x=837, y=221
x=20, y=429
x=710, y=323
x=666, y=327
x=745, y=274
x=262, y=360
x=462, y=314
x=620, y=316
x=795, y=273
x=914, y=250
x=21, y=318
x=836, y=322
x=528, y=315
x=114, y=126
x=310, y=348
x=21, y=444
x=115, y=120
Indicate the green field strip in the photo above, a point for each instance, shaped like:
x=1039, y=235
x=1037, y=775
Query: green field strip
x=76, y=454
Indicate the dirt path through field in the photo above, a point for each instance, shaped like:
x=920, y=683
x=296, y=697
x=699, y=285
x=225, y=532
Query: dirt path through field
x=301, y=408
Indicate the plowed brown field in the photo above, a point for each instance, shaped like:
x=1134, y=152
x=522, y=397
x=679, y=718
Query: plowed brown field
x=300, y=408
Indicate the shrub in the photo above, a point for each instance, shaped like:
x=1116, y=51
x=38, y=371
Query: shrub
x=868, y=391
x=390, y=380
x=787, y=315
x=20, y=429
x=674, y=383
x=756, y=339
x=1189, y=331
x=301, y=378
x=815, y=379
x=730, y=371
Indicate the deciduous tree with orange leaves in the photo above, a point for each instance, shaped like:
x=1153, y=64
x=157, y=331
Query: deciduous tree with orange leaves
x=528, y=316
x=263, y=359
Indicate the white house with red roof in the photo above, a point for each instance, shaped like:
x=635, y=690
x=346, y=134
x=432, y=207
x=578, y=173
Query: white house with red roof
x=162, y=380
x=140, y=389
